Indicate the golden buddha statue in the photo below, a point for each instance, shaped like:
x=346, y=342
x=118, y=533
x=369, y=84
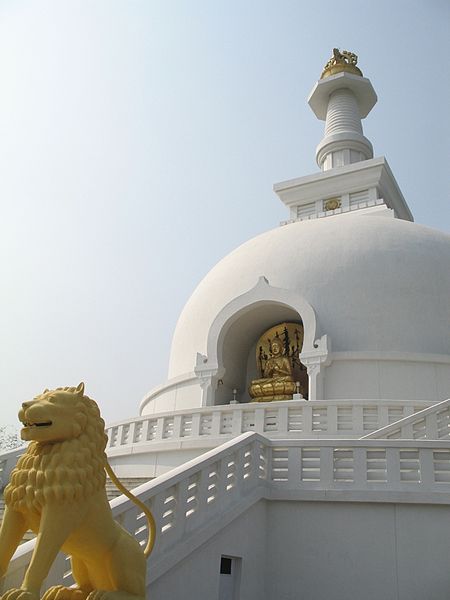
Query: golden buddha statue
x=281, y=371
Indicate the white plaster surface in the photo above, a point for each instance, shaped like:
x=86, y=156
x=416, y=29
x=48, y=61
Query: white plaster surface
x=395, y=379
x=375, y=284
x=355, y=551
x=323, y=550
x=183, y=394
x=197, y=577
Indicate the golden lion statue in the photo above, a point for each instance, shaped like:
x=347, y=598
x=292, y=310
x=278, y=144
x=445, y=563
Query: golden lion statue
x=58, y=491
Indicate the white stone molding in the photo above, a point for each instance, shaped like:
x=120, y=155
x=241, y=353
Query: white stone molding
x=314, y=360
x=209, y=369
x=208, y=374
x=373, y=175
x=262, y=292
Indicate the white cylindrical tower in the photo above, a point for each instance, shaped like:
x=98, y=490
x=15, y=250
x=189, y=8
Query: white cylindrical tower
x=342, y=98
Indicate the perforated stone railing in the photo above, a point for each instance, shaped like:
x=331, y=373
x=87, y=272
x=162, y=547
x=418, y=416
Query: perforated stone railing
x=296, y=419
x=319, y=215
x=369, y=470
x=198, y=499
x=182, y=502
x=432, y=423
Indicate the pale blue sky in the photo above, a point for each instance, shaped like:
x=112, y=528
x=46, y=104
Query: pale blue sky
x=139, y=142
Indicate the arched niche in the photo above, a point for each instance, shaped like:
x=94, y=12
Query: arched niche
x=237, y=328
x=238, y=347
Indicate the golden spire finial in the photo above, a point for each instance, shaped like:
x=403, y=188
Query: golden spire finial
x=341, y=61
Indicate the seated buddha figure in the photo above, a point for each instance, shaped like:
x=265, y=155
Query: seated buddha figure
x=277, y=382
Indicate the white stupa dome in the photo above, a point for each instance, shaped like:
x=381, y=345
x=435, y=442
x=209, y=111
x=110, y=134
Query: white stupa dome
x=376, y=284
x=370, y=287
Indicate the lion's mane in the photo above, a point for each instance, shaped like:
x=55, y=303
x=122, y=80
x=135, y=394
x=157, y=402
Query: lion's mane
x=64, y=471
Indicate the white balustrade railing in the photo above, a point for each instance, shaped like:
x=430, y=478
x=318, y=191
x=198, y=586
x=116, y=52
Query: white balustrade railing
x=295, y=418
x=367, y=470
x=432, y=423
x=196, y=500
x=182, y=502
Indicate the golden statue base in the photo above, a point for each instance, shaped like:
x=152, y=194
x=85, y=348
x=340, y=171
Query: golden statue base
x=271, y=398
x=266, y=390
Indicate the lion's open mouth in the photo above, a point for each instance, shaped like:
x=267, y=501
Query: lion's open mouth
x=42, y=424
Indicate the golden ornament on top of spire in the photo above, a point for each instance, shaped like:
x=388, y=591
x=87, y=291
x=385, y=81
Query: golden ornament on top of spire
x=339, y=62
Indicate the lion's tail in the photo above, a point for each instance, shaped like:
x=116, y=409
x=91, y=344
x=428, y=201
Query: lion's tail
x=145, y=509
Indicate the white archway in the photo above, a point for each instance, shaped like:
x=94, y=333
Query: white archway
x=210, y=368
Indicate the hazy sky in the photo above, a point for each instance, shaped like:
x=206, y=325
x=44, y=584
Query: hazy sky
x=139, y=142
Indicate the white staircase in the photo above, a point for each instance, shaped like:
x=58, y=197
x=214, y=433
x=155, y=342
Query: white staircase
x=432, y=423
x=222, y=495
x=198, y=500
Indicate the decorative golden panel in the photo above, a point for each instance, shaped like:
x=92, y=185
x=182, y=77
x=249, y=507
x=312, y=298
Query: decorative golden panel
x=331, y=204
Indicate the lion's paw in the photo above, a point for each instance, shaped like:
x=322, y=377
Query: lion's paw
x=19, y=594
x=97, y=595
x=59, y=592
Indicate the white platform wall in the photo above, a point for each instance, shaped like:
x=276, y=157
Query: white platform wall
x=323, y=551
x=197, y=577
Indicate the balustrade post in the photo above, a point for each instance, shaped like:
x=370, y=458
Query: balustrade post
x=326, y=467
x=426, y=462
x=259, y=419
x=203, y=484
x=431, y=428
x=393, y=467
x=216, y=422
x=384, y=417
x=331, y=418
x=145, y=426
x=129, y=521
x=141, y=422
x=294, y=466
x=221, y=481
x=177, y=420
x=237, y=421
x=131, y=432
x=196, y=424
x=258, y=449
x=158, y=508
x=242, y=483
x=307, y=418
x=109, y=433
x=357, y=419
x=360, y=466
x=120, y=435
x=408, y=411
x=181, y=504
x=159, y=433
x=282, y=420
